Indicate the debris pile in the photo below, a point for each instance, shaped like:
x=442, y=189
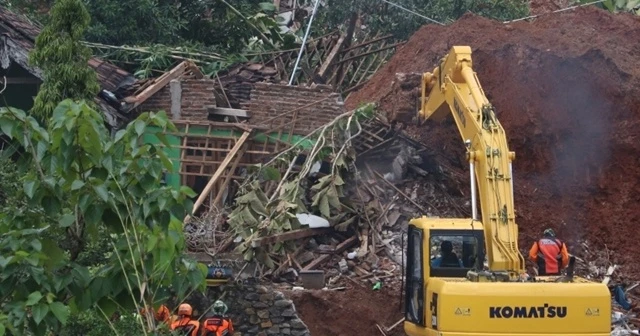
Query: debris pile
x=569, y=104
x=394, y=181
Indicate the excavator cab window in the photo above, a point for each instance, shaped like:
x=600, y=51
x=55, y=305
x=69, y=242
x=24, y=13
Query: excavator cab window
x=414, y=302
x=453, y=253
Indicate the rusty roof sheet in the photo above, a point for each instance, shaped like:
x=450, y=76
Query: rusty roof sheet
x=23, y=31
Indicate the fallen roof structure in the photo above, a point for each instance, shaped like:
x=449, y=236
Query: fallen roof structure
x=17, y=39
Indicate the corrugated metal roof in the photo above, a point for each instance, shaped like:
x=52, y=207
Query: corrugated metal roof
x=24, y=32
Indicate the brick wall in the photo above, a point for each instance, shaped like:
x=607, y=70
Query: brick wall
x=195, y=96
x=161, y=100
x=269, y=100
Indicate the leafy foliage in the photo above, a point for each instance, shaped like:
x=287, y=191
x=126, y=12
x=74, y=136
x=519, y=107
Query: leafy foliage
x=81, y=180
x=91, y=323
x=615, y=6
x=10, y=197
x=63, y=59
x=256, y=215
x=188, y=22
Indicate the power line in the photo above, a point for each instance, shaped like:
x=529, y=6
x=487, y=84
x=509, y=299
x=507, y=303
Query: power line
x=556, y=11
x=304, y=42
x=515, y=20
x=412, y=12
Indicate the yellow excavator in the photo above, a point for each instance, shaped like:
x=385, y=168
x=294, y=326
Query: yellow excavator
x=486, y=291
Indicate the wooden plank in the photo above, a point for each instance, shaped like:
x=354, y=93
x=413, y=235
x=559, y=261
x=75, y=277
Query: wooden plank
x=363, y=44
x=339, y=249
x=371, y=52
x=186, y=173
x=607, y=277
x=161, y=82
x=218, y=173
x=328, y=62
x=216, y=124
x=228, y=178
x=195, y=70
x=211, y=149
x=230, y=112
x=370, y=63
x=295, y=254
x=289, y=235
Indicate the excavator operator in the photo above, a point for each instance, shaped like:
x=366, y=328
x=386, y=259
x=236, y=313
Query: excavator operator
x=218, y=324
x=549, y=253
x=447, y=258
x=184, y=324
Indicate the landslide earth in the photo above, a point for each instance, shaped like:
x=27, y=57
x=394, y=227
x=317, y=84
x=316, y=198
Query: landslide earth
x=566, y=88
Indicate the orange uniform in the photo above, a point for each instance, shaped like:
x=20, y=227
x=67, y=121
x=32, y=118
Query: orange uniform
x=186, y=326
x=217, y=326
x=550, y=254
x=161, y=315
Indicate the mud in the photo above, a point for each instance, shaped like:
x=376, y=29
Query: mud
x=355, y=312
x=566, y=89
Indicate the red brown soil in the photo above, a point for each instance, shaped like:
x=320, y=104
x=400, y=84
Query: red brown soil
x=355, y=312
x=566, y=88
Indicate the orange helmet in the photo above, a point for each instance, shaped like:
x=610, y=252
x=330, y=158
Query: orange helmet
x=185, y=310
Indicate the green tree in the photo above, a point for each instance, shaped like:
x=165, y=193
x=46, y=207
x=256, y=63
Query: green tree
x=81, y=180
x=384, y=18
x=616, y=6
x=63, y=59
x=214, y=25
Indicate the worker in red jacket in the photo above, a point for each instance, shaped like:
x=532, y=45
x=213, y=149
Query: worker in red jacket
x=549, y=253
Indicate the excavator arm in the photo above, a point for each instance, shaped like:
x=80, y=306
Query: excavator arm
x=444, y=299
x=454, y=83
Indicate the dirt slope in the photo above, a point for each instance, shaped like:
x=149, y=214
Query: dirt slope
x=355, y=312
x=567, y=91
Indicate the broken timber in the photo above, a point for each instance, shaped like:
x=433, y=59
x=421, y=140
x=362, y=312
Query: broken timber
x=163, y=81
x=207, y=189
x=339, y=249
x=286, y=236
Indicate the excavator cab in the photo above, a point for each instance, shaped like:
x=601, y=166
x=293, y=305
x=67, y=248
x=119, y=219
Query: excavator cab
x=454, y=247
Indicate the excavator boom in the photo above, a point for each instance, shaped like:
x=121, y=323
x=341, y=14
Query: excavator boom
x=453, y=86
x=449, y=290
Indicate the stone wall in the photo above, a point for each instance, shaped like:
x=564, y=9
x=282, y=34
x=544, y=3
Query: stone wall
x=315, y=106
x=260, y=311
x=193, y=96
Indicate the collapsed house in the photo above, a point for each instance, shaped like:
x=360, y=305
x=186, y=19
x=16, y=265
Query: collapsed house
x=215, y=143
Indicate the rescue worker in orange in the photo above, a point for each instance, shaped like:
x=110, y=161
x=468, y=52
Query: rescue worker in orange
x=549, y=253
x=162, y=315
x=218, y=324
x=184, y=324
